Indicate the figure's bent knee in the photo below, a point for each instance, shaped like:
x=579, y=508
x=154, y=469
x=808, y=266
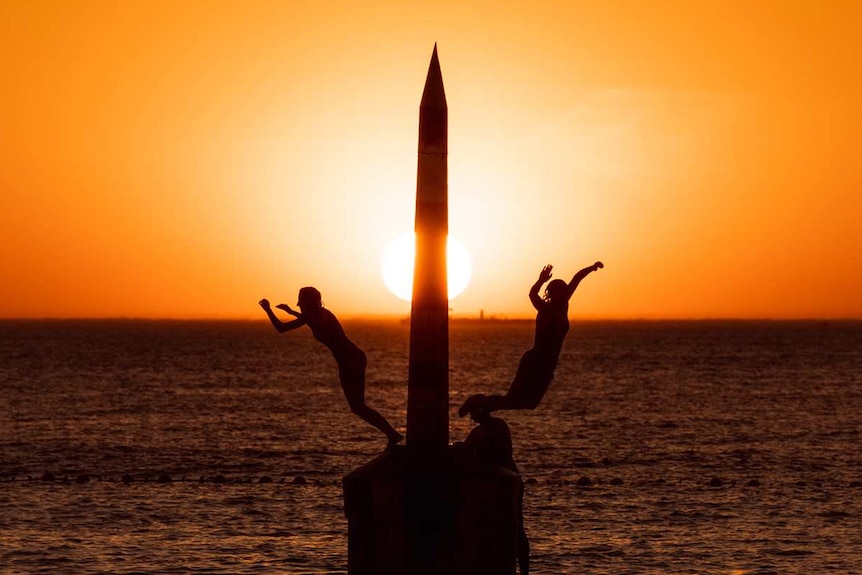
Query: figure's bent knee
x=532, y=402
x=358, y=408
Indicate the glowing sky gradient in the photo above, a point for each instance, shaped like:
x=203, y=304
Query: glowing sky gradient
x=185, y=159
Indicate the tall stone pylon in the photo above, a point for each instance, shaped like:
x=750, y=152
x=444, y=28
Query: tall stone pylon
x=428, y=373
x=431, y=508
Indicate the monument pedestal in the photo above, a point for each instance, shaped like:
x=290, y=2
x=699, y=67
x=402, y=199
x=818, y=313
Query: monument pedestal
x=445, y=513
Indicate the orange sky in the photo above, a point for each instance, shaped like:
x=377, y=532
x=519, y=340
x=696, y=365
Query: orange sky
x=185, y=159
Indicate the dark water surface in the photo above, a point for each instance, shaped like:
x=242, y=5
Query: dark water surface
x=711, y=447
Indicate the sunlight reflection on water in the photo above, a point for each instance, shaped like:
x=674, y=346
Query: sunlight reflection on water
x=670, y=422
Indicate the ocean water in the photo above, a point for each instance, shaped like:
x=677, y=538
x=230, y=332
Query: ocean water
x=661, y=447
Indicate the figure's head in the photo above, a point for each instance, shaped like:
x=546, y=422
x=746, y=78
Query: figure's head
x=309, y=298
x=557, y=290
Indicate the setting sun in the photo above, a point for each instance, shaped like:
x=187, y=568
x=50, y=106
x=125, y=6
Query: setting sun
x=396, y=267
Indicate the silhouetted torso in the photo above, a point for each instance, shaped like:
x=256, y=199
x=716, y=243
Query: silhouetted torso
x=328, y=330
x=552, y=325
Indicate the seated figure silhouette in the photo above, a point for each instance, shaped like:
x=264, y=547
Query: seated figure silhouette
x=491, y=440
x=350, y=358
x=536, y=369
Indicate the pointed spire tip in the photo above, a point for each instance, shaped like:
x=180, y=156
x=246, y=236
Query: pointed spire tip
x=434, y=95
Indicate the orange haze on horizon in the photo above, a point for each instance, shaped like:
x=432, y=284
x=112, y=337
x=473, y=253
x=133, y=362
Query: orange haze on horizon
x=184, y=159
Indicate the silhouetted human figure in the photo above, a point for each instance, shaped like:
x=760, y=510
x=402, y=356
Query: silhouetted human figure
x=536, y=369
x=491, y=440
x=350, y=358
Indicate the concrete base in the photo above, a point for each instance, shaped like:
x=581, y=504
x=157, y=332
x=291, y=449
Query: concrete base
x=443, y=513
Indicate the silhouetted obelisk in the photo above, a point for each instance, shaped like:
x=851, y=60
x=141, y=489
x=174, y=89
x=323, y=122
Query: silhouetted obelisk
x=431, y=508
x=428, y=378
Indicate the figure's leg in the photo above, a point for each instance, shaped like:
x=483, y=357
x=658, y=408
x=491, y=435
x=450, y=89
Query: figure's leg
x=525, y=392
x=529, y=385
x=490, y=403
x=353, y=384
x=373, y=417
x=512, y=400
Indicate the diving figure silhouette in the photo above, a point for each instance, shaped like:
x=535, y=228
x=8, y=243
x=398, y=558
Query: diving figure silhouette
x=537, y=365
x=350, y=358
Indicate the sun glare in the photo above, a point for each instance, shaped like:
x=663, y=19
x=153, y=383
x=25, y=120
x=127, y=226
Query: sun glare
x=396, y=267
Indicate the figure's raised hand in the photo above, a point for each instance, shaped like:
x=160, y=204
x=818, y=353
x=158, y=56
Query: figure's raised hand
x=264, y=303
x=545, y=274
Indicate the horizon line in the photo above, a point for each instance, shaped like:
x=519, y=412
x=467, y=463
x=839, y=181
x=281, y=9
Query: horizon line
x=455, y=317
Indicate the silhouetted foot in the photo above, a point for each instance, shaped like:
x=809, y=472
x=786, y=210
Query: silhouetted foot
x=394, y=440
x=471, y=404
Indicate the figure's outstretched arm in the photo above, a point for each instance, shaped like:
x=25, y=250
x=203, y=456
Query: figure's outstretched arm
x=279, y=325
x=544, y=276
x=573, y=285
x=288, y=309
